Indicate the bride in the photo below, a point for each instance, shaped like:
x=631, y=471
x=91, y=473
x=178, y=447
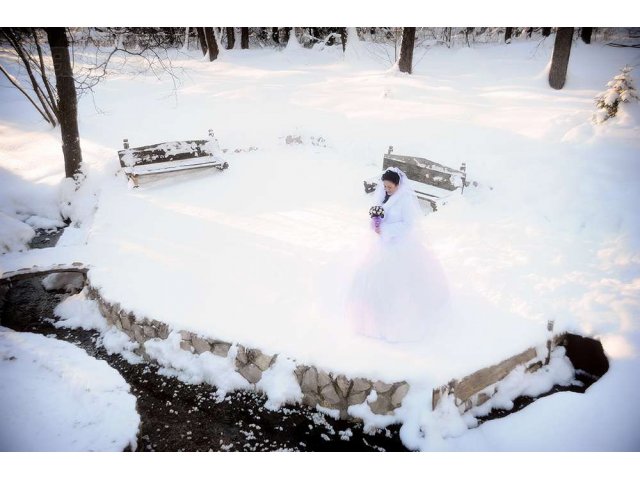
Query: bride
x=399, y=287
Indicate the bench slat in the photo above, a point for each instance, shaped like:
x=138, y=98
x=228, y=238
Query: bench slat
x=423, y=170
x=174, y=166
x=163, y=152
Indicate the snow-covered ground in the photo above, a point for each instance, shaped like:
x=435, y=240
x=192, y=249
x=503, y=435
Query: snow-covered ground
x=55, y=397
x=259, y=254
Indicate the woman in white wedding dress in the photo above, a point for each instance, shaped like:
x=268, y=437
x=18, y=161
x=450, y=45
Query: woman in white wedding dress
x=399, y=290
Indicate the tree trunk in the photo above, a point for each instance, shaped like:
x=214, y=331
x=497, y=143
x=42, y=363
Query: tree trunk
x=275, y=34
x=343, y=38
x=585, y=34
x=212, y=45
x=244, y=39
x=231, y=38
x=405, y=62
x=560, y=58
x=203, y=40
x=67, y=100
x=287, y=32
x=507, y=34
x=546, y=31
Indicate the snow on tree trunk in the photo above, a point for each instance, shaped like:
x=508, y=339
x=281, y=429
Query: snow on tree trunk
x=185, y=46
x=353, y=47
x=560, y=57
x=405, y=62
x=67, y=101
x=293, y=43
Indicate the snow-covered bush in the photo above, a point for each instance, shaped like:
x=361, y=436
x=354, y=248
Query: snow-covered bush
x=621, y=89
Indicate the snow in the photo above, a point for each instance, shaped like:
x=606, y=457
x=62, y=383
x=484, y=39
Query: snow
x=194, y=369
x=280, y=385
x=254, y=254
x=55, y=397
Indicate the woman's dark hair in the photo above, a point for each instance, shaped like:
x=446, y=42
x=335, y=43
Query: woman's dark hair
x=391, y=176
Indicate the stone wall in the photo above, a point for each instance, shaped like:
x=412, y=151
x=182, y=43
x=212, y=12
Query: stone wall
x=319, y=387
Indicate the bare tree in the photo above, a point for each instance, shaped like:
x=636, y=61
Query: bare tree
x=58, y=104
x=560, y=57
x=45, y=101
x=244, y=38
x=275, y=34
x=507, y=34
x=212, y=45
x=231, y=38
x=343, y=38
x=202, y=39
x=67, y=100
x=405, y=62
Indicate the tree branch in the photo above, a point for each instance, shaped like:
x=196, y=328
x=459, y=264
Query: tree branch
x=24, y=92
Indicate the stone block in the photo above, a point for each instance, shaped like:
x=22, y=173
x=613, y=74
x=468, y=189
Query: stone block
x=163, y=330
x=185, y=345
x=262, y=361
x=252, y=373
x=482, y=398
x=186, y=336
x=382, y=387
x=361, y=385
x=149, y=332
x=241, y=356
x=343, y=384
x=221, y=349
x=382, y=405
x=126, y=321
x=310, y=399
x=138, y=333
x=299, y=372
x=310, y=381
x=398, y=395
x=323, y=379
x=330, y=396
x=200, y=345
x=356, y=398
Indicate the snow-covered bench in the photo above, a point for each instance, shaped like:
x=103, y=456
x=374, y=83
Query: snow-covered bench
x=170, y=157
x=430, y=180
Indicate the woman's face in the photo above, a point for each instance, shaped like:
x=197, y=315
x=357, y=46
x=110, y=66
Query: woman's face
x=390, y=187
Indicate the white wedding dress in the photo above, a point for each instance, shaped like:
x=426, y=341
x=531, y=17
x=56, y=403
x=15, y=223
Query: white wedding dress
x=399, y=289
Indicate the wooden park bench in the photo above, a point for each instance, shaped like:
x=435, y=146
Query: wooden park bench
x=170, y=157
x=431, y=181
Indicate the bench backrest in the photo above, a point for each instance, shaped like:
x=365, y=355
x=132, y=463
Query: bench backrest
x=425, y=171
x=167, y=152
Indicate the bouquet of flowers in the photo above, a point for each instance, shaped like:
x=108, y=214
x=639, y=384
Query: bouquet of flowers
x=377, y=214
